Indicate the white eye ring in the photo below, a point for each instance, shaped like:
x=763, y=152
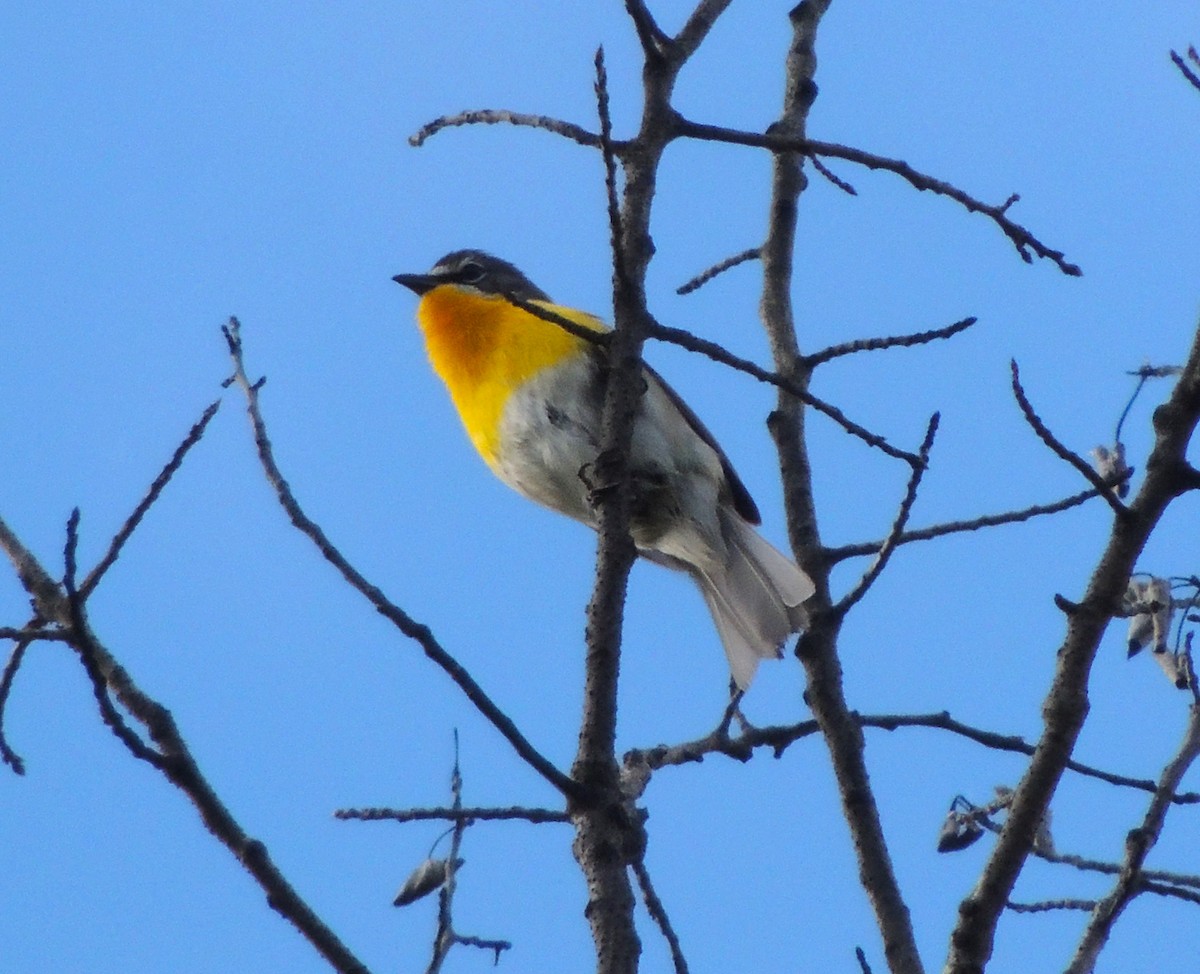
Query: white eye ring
x=470, y=273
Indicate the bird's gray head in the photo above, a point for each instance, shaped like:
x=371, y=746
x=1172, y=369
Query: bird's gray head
x=477, y=270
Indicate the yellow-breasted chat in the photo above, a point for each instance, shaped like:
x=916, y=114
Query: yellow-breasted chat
x=530, y=395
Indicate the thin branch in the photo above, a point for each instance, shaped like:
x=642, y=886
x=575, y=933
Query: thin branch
x=495, y=116
x=892, y=341
x=842, y=552
x=1160, y=882
x=1026, y=244
x=176, y=761
x=156, y=488
x=720, y=267
x=535, y=816
x=1192, y=78
x=393, y=613
x=721, y=355
x=1138, y=844
x=604, y=834
x=817, y=647
x=616, y=234
x=658, y=914
x=830, y=175
x=1144, y=374
x=446, y=936
x=1046, y=906
x=1074, y=459
x=11, y=757
x=701, y=21
x=1065, y=706
x=33, y=634
x=92, y=657
x=778, y=738
x=718, y=353
x=598, y=338
x=655, y=42
x=43, y=590
x=890, y=543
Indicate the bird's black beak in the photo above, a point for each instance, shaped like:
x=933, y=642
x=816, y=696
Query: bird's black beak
x=418, y=283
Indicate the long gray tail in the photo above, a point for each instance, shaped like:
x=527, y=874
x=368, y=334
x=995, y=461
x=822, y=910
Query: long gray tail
x=756, y=598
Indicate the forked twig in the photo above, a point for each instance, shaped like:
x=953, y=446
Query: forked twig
x=891, y=542
x=1057, y=447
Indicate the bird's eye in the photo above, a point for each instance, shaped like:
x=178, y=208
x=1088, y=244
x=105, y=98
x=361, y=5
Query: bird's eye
x=470, y=273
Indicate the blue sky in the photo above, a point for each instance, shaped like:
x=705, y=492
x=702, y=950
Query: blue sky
x=167, y=165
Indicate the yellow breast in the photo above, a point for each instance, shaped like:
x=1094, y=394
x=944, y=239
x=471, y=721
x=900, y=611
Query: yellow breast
x=484, y=348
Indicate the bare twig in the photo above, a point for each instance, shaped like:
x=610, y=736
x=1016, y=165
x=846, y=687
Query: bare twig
x=840, y=553
x=693, y=343
x=817, y=648
x=1161, y=882
x=389, y=610
x=1074, y=459
x=156, y=488
x=616, y=234
x=1138, y=844
x=654, y=40
x=658, y=914
x=1026, y=244
x=1168, y=474
x=93, y=660
x=1046, y=906
x=534, y=816
x=779, y=738
x=698, y=24
x=884, y=554
x=33, y=634
x=833, y=177
x=173, y=758
x=1144, y=374
x=589, y=335
x=446, y=936
x=11, y=757
x=493, y=116
x=891, y=341
x=1192, y=77
x=720, y=267
x=605, y=836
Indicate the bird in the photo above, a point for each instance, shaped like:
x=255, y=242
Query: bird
x=530, y=395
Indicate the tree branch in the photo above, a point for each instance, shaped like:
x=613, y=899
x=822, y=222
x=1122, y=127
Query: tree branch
x=817, y=647
x=1138, y=844
x=1074, y=459
x=884, y=554
x=658, y=913
x=891, y=341
x=64, y=607
x=842, y=552
x=420, y=634
x=152, y=494
x=1026, y=244
x=496, y=116
x=1066, y=703
x=535, y=816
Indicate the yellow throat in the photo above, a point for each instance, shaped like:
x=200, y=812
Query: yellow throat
x=485, y=348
